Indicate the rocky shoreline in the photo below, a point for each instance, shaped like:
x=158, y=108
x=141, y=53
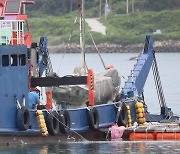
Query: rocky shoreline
x=159, y=46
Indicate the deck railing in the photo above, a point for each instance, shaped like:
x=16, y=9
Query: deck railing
x=11, y=32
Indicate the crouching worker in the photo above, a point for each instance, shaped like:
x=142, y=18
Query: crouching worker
x=33, y=98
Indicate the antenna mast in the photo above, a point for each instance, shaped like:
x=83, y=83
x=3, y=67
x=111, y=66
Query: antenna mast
x=82, y=33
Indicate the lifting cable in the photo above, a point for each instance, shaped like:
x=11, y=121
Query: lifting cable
x=99, y=52
x=97, y=49
x=69, y=39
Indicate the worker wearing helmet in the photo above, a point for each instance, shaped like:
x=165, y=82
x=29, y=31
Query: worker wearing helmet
x=33, y=98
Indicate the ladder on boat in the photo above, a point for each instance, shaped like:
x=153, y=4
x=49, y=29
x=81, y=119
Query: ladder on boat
x=139, y=74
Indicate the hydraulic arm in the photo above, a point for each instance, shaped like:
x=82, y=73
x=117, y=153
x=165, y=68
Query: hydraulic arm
x=136, y=81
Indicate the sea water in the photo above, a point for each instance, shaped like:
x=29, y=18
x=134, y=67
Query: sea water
x=102, y=147
x=168, y=65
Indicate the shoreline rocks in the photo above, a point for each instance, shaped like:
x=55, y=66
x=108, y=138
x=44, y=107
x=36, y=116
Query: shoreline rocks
x=159, y=46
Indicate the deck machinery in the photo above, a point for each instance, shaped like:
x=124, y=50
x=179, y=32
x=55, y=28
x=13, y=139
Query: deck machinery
x=133, y=88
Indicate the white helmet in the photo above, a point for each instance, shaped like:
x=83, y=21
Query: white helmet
x=38, y=88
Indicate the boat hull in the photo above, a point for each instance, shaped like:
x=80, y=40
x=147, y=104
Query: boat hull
x=37, y=138
x=79, y=124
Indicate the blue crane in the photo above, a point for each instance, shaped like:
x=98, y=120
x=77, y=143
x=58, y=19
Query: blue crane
x=135, y=83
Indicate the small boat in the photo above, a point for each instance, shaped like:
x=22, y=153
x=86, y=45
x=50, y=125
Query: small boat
x=22, y=65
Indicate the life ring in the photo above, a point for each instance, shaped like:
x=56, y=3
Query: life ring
x=123, y=116
x=52, y=123
x=64, y=122
x=93, y=118
x=23, y=118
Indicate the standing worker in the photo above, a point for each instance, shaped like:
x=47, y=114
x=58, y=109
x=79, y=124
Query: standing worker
x=33, y=98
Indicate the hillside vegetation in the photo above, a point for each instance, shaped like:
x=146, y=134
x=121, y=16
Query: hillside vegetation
x=62, y=7
x=121, y=28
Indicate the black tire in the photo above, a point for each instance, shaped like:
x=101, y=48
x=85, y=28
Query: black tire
x=23, y=119
x=93, y=119
x=64, y=122
x=52, y=123
x=123, y=116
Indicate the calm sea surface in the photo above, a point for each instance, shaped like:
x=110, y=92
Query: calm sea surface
x=108, y=147
x=168, y=64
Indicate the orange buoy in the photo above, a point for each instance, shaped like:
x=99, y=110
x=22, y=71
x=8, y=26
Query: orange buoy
x=154, y=136
x=129, y=121
x=139, y=110
x=168, y=136
x=142, y=136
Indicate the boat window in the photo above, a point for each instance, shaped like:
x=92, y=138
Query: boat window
x=12, y=6
x=14, y=61
x=22, y=59
x=5, y=60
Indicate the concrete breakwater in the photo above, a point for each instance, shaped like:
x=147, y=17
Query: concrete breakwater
x=159, y=46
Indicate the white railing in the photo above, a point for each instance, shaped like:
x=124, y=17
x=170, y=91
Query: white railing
x=11, y=32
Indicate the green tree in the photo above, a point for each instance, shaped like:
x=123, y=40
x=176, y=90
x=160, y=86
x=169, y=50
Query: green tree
x=157, y=5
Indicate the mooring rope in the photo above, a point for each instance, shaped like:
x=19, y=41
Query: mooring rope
x=84, y=139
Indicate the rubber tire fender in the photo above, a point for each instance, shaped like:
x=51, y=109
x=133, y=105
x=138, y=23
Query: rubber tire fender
x=64, y=122
x=93, y=118
x=52, y=123
x=23, y=118
x=123, y=116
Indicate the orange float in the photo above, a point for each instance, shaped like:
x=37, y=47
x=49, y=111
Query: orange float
x=142, y=136
x=168, y=136
x=154, y=136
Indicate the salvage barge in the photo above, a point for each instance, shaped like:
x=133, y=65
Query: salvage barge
x=161, y=131
x=22, y=63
